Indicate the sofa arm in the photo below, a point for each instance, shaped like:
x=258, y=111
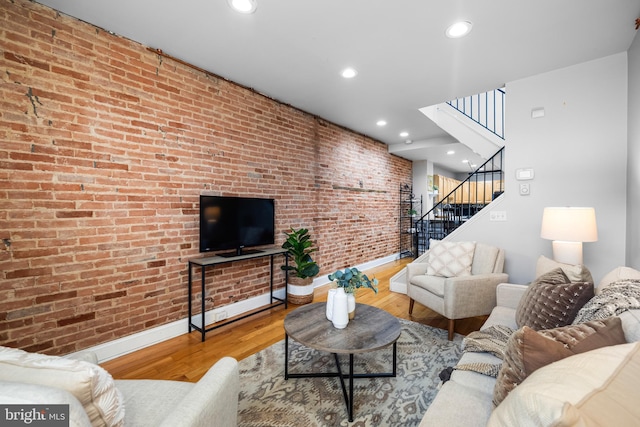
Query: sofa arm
x=213, y=400
x=469, y=296
x=509, y=294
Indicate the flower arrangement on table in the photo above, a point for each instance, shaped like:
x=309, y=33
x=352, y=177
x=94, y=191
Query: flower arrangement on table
x=352, y=279
x=347, y=283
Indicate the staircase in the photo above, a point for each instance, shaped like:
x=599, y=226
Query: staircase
x=480, y=188
x=466, y=120
x=478, y=122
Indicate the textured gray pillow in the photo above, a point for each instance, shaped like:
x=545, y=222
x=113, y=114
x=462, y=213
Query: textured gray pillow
x=552, y=301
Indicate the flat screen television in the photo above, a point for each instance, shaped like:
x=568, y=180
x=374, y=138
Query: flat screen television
x=236, y=223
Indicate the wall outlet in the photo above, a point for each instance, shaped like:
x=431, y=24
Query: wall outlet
x=221, y=315
x=498, y=216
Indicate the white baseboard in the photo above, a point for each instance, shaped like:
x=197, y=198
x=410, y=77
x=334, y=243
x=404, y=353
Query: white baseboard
x=129, y=344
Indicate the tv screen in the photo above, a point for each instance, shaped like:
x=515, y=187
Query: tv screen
x=235, y=223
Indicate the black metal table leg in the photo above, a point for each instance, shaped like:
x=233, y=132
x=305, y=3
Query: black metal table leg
x=286, y=356
x=190, y=303
x=350, y=409
x=202, y=311
x=395, y=358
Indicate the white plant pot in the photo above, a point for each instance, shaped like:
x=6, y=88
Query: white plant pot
x=300, y=291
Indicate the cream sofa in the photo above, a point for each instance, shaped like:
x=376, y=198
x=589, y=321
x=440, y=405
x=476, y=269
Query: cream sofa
x=466, y=399
x=95, y=399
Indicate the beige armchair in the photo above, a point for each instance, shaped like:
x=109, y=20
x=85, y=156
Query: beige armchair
x=94, y=398
x=461, y=296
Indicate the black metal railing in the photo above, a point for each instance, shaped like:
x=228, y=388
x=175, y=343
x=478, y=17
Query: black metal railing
x=474, y=193
x=486, y=109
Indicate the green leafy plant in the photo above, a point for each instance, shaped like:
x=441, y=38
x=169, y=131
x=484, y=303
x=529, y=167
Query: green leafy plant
x=300, y=246
x=352, y=279
x=412, y=212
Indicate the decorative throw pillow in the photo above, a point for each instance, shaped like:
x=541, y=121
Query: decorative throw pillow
x=30, y=394
x=450, y=259
x=618, y=273
x=528, y=350
x=552, y=301
x=599, y=388
x=575, y=273
x=89, y=383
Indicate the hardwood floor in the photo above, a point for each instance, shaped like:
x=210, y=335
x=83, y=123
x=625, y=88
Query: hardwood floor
x=186, y=358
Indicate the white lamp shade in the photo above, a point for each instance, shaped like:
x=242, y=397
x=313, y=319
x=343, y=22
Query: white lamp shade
x=569, y=224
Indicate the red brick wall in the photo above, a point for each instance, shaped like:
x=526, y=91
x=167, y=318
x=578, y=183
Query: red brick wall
x=105, y=149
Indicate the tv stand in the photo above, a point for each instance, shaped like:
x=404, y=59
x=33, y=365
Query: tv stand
x=214, y=260
x=239, y=252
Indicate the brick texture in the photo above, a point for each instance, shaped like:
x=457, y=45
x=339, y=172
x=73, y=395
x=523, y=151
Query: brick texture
x=105, y=148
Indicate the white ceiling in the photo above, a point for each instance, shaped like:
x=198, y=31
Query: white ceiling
x=294, y=50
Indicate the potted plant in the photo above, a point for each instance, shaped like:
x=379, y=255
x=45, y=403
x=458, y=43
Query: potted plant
x=412, y=212
x=350, y=280
x=301, y=273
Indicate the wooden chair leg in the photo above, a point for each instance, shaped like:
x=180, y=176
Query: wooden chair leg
x=451, y=328
x=411, y=302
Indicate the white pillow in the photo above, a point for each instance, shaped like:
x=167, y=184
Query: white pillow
x=30, y=394
x=596, y=388
x=450, y=259
x=575, y=273
x=619, y=273
x=90, y=384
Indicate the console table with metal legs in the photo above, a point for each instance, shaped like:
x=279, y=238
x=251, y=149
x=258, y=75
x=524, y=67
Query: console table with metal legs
x=212, y=261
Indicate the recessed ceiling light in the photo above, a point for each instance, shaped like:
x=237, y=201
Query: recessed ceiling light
x=349, y=73
x=408, y=141
x=465, y=161
x=450, y=152
x=459, y=29
x=404, y=134
x=243, y=6
x=381, y=123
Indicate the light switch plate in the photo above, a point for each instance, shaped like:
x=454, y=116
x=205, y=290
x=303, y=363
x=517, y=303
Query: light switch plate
x=525, y=189
x=524, y=174
x=498, y=216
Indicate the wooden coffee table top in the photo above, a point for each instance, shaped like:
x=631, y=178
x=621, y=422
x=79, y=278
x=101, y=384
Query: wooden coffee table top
x=370, y=329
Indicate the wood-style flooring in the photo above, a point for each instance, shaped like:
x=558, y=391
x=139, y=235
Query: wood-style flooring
x=186, y=358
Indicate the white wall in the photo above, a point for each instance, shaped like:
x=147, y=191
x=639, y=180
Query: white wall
x=578, y=152
x=633, y=158
x=421, y=171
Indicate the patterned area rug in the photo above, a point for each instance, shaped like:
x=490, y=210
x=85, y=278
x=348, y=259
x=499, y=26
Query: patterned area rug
x=266, y=399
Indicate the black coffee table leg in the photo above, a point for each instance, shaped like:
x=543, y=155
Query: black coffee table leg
x=286, y=356
x=351, y=387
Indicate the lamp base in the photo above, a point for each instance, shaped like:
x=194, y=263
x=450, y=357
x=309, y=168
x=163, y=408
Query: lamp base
x=567, y=252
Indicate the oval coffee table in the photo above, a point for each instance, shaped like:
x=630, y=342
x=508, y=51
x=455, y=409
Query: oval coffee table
x=370, y=329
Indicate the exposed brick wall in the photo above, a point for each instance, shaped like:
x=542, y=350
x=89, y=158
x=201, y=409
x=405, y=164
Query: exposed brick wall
x=105, y=148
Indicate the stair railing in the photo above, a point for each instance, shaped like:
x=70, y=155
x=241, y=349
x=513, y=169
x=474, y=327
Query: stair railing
x=478, y=190
x=486, y=109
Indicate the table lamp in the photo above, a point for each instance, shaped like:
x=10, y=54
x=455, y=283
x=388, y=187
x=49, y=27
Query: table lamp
x=568, y=227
